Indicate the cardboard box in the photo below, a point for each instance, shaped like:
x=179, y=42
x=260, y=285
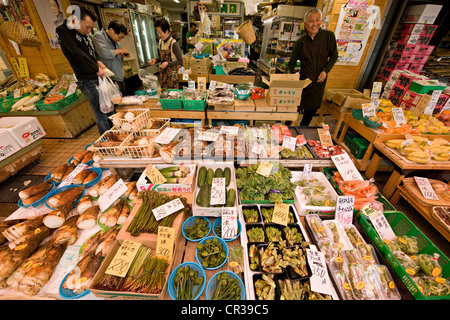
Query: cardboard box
x=186, y=185
x=200, y=69
x=204, y=62
x=287, y=109
x=395, y=100
x=230, y=65
x=398, y=91
x=285, y=89
x=405, y=105
x=400, y=57
x=423, y=13
x=411, y=97
x=25, y=130
x=230, y=79
x=8, y=144
x=346, y=98
x=442, y=100
x=262, y=105
x=386, y=73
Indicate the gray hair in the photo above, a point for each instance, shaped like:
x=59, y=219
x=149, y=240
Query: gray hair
x=311, y=11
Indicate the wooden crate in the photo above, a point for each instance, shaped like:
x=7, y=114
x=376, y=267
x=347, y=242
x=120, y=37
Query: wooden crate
x=287, y=109
x=244, y=105
x=261, y=105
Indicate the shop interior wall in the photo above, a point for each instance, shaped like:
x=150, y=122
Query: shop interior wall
x=346, y=76
x=41, y=59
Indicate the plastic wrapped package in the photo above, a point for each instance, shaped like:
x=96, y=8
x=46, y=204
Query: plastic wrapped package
x=388, y=287
x=409, y=264
x=429, y=264
x=317, y=227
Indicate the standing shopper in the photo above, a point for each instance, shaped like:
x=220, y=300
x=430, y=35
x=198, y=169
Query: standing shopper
x=190, y=36
x=77, y=47
x=170, y=56
x=317, y=52
x=108, y=49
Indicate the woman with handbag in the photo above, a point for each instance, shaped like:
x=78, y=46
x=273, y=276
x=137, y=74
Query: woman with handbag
x=170, y=56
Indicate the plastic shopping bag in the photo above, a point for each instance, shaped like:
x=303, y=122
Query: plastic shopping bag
x=109, y=94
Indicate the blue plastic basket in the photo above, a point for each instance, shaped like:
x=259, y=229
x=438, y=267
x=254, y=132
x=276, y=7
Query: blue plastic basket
x=38, y=202
x=212, y=284
x=68, y=294
x=225, y=247
x=189, y=222
x=195, y=267
x=218, y=222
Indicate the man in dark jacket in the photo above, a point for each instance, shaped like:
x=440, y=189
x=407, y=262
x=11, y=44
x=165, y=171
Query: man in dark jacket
x=317, y=52
x=76, y=44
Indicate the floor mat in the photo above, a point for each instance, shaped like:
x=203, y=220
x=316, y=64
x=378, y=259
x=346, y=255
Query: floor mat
x=9, y=189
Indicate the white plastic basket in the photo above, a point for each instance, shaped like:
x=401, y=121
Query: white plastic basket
x=154, y=132
x=137, y=123
x=113, y=151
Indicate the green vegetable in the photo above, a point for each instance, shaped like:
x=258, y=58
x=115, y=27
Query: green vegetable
x=201, y=176
x=429, y=265
x=227, y=288
x=187, y=283
x=265, y=287
x=273, y=234
x=433, y=287
x=295, y=258
x=299, y=153
x=254, y=257
x=251, y=215
x=408, y=244
x=267, y=214
x=197, y=230
x=204, y=195
x=209, y=176
x=231, y=197
x=211, y=253
x=236, y=259
x=292, y=235
x=227, y=174
x=256, y=234
x=218, y=173
x=271, y=260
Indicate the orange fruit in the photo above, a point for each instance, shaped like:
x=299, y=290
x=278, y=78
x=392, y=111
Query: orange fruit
x=391, y=123
x=389, y=130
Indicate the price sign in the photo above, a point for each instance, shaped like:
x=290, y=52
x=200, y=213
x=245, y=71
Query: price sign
x=113, y=193
x=167, y=135
x=73, y=174
x=212, y=85
x=155, y=176
x=208, y=136
x=185, y=77
x=16, y=93
x=167, y=209
x=123, y=258
x=320, y=280
x=346, y=167
x=426, y=188
x=289, y=142
x=72, y=88
x=229, y=223
x=398, y=115
x=231, y=130
x=368, y=110
x=307, y=168
x=201, y=83
x=372, y=208
x=191, y=84
x=258, y=133
x=281, y=214
x=376, y=90
x=256, y=148
x=344, y=209
x=264, y=168
x=325, y=138
x=422, y=105
x=382, y=226
x=432, y=104
x=199, y=46
x=165, y=242
x=375, y=103
x=218, y=192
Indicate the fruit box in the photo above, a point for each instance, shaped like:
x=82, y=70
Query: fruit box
x=25, y=130
x=416, y=67
x=398, y=91
x=346, y=98
x=185, y=184
x=8, y=145
x=411, y=97
x=213, y=211
x=286, y=85
x=419, y=28
x=123, y=295
x=414, y=39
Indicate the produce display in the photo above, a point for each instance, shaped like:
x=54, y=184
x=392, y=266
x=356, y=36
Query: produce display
x=322, y=152
x=420, y=149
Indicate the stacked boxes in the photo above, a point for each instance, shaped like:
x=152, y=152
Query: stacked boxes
x=197, y=66
x=411, y=50
x=285, y=91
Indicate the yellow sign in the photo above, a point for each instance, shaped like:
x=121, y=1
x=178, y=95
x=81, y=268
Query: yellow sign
x=201, y=83
x=165, y=242
x=23, y=68
x=155, y=176
x=123, y=259
x=325, y=137
x=264, y=168
x=281, y=214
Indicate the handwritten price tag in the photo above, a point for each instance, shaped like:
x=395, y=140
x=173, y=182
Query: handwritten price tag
x=264, y=168
x=113, y=193
x=231, y=130
x=72, y=175
x=165, y=242
x=229, y=223
x=426, y=188
x=398, y=115
x=281, y=214
x=289, y=142
x=344, y=209
x=123, y=258
x=368, y=110
x=16, y=93
x=382, y=226
x=155, y=176
x=320, y=280
x=201, y=83
x=167, y=135
x=218, y=193
x=325, y=137
x=346, y=167
x=208, y=136
x=167, y=209
x=307, y=168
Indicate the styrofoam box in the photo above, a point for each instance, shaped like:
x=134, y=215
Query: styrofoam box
x=25, y=130
x=300, y=199
x=8, y=144
x=213, y=211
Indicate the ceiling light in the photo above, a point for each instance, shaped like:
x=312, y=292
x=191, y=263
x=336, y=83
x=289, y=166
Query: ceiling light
x=177, y=1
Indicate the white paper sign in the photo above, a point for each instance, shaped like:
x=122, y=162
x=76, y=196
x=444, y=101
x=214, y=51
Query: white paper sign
x=289, y=142
x=185, y=77
x=110, y=196
x=307, y=168
x=432, y=104
x=368, y=110
x=16, y=93
x=167, y=209
x=398, y=115
x=167, y=135
x=231, y=130
x=382, y=226
x=191, y=84
x=256, y=148
x=229, y=223
x=208, y=136
x=320, y=280
x=346, y=167
x=258, y=133
x=72, y=88
x=426, y=188
x=376, y=90
x=218, y=192
x=69, y=178
x=344, y=209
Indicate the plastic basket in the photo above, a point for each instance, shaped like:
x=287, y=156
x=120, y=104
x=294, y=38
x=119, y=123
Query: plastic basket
x=425, y=88
x=402, y=226
x=137, y=123
x=218, y=223
x=111, y=152
x=371, y=124
x=189, y=222
x=7, y=103
x=358, y=146
x=212, y=284
x=194, y=104
x=357, y=114
x=69, y=294
x=171, y=103
x=58, y=105
x=195, y=267
x=225, y=247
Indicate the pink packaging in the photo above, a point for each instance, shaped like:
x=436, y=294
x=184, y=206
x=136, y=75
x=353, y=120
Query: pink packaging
x=418, y=59
x=411, y=97
x=395, y=101
x=419, y=29
x=398, y=91
x=394, y=65
x=405, y=105
x=414, y=39
x=416, y=67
